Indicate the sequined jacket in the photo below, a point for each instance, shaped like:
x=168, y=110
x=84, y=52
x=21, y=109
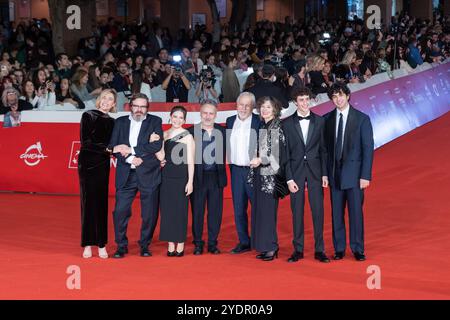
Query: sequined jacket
x=272, y=152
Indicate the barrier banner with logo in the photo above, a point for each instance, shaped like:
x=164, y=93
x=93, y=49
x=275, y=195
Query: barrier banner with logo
x=42, y=156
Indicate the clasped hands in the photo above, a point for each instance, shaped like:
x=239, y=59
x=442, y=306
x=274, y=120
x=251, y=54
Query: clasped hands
x=125, y=150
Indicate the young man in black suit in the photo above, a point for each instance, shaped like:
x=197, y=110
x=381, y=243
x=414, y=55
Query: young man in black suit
x=306, y=167
x=350, y=144
x=138, y=171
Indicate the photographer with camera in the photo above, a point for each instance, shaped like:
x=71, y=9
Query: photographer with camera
x=205, y=89
x=176, y=85
x=39, y=97
x=40, y=92
x=187, y=65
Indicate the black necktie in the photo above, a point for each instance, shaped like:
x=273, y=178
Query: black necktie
x=300, y=118
x=338, y=149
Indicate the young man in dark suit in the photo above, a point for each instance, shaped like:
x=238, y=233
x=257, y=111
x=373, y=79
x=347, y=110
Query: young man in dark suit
x=138, y=171
x=210, y=177
x=306, y=168
x=350, y=144
x=242, y=136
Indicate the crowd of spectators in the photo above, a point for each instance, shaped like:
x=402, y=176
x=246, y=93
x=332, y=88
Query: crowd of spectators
x=135, y=58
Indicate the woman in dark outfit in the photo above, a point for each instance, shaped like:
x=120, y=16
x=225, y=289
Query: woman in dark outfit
x=177, y=158
x=93, y=169
x=271, y=157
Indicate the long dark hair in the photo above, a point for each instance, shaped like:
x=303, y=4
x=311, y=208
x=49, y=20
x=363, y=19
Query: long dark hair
x=137, y=81
x=93, y=82
x=35, y=78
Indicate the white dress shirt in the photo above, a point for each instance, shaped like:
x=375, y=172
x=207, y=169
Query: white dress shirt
x=344, y=121
x=240, y=142
x=135, y=128
x=304, y=124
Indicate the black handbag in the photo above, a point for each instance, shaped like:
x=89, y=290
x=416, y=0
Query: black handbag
x=281, y=189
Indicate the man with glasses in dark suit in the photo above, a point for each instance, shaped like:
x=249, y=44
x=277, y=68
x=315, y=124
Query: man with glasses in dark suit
x=138, y=171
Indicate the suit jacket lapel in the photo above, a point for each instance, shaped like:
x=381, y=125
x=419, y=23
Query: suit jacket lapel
x=331, y=128
x=127, y=130
x=253, y=143
x=298, y=128
x=254, y=124
x=143, y=130
x=311, y=128
x=349, y=129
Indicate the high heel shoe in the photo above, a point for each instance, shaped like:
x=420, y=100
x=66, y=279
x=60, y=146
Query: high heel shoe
x=261, y=255
x=179, y=254
x=270, y=257
x=102, y=253
x=171, y=253
x=87, y=253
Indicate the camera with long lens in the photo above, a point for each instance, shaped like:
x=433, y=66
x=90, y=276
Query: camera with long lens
x=177, y=64
x=207, y=76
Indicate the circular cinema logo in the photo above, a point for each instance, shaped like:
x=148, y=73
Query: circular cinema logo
x=33, y=155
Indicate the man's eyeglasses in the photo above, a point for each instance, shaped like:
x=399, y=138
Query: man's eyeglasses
x=135, y=106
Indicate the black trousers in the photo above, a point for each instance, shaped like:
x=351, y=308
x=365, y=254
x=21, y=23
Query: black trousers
x=242, y=193
x=315, y=196
x=122, y=211
x=210, y=194
x=353, y=199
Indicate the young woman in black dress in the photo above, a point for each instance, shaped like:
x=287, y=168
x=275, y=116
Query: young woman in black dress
x=177, y=159
x=93, y=169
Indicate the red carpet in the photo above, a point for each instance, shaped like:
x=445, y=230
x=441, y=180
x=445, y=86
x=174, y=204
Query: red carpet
x=407, y=226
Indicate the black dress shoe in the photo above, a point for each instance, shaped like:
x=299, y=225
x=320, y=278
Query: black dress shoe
x=213, y=250
x=297, y=255
x=321, y=257
x=359, y=256
x=145, y=252
x=270, y=255
x=240, y=248
x=120, y=252
x=179, y=254
x=171, y=253
x=261, y=255
x=198, y=251
x=339, y=255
